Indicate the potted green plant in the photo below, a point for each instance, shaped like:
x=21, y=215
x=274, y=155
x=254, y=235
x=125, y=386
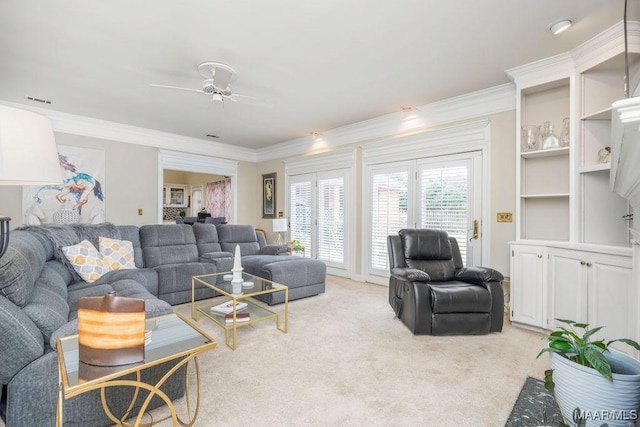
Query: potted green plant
x=592, y=383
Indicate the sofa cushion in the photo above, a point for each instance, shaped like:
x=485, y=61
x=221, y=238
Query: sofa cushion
x=20, y=267
x=117, y=254
x=242, y=235
x=86, y=260
x=147, y=277
x=206, y=238
x=132, y=234
x=168, y=244
x=20, y=340
x=48, y=307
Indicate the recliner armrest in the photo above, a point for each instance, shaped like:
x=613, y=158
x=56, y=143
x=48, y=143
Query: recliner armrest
x=478, y=275
x=210, y=256
x=410, y=275
x=273, y=250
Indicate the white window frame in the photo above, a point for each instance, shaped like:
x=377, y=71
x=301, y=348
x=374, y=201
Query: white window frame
x=468, y=137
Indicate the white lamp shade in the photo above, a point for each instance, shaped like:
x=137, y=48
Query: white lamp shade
x=279, y=225
x=28, y=152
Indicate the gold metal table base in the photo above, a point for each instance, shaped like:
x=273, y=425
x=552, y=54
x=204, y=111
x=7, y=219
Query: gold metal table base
x=137, y=384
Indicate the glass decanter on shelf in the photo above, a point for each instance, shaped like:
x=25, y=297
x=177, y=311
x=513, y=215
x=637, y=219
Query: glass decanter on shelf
x=549, y=139
x=564, y=135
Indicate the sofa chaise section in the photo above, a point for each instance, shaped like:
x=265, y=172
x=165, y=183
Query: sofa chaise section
x=305, y=277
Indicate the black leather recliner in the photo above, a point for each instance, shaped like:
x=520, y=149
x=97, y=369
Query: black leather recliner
x=433, y=294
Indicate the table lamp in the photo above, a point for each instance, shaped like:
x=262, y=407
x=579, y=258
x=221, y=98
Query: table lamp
x=279, y=226
x=28, y=155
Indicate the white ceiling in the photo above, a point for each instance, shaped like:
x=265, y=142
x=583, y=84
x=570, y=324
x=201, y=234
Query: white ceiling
x=321, y=64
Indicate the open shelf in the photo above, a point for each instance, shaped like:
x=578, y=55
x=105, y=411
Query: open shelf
x=562, y=151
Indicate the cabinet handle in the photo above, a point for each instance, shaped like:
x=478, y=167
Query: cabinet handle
x=588, y=264
x=539, y=255
x=582, y=262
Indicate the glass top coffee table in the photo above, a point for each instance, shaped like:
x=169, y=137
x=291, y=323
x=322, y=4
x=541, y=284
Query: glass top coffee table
x=238, y=303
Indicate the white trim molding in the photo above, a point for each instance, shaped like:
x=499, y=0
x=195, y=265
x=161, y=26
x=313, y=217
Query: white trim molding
x=470, y=106
x=95, y=128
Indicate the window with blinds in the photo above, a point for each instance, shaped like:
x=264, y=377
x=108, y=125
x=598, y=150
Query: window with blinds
x=389, y=214
x=444, y=202
x=331, y=219
x=300, y=211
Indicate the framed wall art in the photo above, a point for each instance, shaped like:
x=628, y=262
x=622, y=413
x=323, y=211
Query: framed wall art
x=269, y=195
x=80, y=197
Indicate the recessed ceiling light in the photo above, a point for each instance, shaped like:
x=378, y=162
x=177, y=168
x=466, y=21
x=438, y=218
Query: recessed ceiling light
x=406, y=108
x=314, y=134
x=559, y=26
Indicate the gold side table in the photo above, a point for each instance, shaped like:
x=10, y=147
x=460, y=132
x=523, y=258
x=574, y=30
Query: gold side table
x=172, y=338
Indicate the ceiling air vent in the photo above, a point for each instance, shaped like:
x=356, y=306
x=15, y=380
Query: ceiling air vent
x=40, y=100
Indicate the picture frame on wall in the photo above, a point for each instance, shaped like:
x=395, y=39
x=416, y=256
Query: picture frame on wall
x=269, y=195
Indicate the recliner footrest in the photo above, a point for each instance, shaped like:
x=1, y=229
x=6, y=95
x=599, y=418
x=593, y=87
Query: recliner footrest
x=460, y=298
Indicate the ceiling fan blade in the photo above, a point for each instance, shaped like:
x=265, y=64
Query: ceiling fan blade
x=178, y=88
x=245, y=99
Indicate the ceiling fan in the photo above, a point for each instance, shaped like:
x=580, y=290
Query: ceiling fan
x=217, y=84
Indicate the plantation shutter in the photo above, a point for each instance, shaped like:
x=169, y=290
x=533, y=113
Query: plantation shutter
x=389, y=214
x=300, y=208
x=444, y=201
x=331, y=219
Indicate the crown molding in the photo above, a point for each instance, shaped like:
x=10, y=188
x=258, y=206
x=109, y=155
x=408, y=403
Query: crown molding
x=545, y=70
x=476, y=104
x=87, y=126
x=606, y=44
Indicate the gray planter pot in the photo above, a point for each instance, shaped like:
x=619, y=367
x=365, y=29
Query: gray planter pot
x=583, y=394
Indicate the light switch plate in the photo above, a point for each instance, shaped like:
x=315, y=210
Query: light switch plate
x=505, y=217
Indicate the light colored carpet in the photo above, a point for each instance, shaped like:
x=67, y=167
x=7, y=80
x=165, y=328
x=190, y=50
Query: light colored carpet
x=347, y=361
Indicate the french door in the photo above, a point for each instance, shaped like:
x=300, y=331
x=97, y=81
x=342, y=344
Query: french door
x=442, y=192
x=317, y=215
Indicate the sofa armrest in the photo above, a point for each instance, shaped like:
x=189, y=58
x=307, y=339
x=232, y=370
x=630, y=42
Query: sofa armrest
x=410, y=274
x=478, y=275
x=273, y=250
x=222, y=260
x=210, y=256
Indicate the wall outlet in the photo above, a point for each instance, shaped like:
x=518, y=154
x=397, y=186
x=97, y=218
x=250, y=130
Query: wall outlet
x=505, y=217
x=139, y=211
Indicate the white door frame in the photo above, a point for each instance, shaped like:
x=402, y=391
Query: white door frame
x=187, y=162
x=471, y=136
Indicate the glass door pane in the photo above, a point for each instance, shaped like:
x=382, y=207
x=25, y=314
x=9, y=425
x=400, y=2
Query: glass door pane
x=389, y=212
x=300, y=212
x=331, y=219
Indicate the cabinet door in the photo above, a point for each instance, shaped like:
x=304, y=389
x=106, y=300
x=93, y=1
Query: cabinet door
x=611, y=297
x=527, y=281
x=567, y=294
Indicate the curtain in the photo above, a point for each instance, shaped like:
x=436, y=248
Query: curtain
x=218, y=199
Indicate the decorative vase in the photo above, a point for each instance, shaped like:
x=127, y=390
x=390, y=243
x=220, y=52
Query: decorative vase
x=530, y=138
x=583, y=393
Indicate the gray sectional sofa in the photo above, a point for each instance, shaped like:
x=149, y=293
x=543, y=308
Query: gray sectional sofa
x=39, y=292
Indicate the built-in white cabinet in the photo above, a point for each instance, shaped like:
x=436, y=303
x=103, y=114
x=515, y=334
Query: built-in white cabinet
x=528, y=269
x=558, y=281
x=175, y=195
x=593, y=288
x=565, y=208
